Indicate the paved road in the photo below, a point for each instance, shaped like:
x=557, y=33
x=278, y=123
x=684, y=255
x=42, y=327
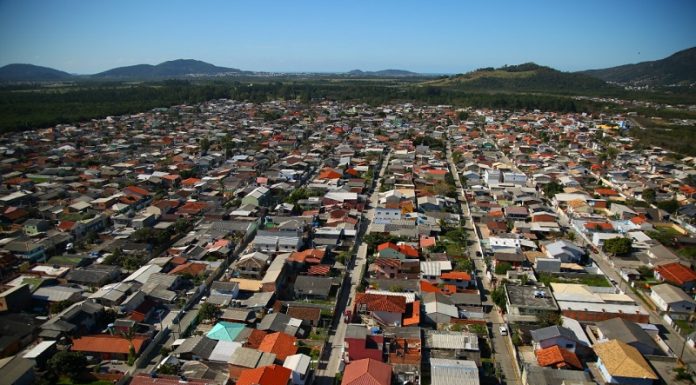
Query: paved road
x=329, y=368
x=502, y=345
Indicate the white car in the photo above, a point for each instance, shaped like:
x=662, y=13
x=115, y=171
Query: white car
x=503, y=330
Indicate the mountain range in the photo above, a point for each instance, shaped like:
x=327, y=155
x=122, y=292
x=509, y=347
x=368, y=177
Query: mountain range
x=679, y=68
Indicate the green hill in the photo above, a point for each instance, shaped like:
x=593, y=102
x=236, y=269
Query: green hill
x=31, y=73
x=679, y=68
x=527, y=77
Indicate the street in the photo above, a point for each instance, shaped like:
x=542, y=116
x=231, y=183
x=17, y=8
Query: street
x=502, y=345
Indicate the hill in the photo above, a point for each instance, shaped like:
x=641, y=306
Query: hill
x=168, y=69
x=527, y=77
x=31, y=73
x=391, y=73
x=679, y=68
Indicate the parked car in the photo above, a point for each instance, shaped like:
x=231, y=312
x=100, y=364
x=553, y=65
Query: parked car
x=503, y=330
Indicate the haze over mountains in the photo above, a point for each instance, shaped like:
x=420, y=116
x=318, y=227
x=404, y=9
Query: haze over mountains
x=679, y=68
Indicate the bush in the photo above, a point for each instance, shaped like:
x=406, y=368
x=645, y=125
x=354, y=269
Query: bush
x=502, y=267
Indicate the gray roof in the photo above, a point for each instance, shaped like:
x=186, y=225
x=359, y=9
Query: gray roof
x=201, y=346
x=453, y=372
x=14, y=368
x=251, y=358
x=358, y=331
x=310, y=285
x=671, y=294
x=466, y=299
x=628, y=332
x=279, y=322
x=538, y=375
x=552, y=332
x=447, y=340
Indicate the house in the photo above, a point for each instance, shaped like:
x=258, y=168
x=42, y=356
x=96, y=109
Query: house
x=439, y=309
x=453, y=372
x=564, y=250
x=279, y=322
x=17, y=370
x=537, y=375
x=384, y=309
x=367, y=372
x=265, y=375
x=280, y=344
x=313, y=287
x=15, y=299
x=557, y=357
x=453, y=345
x=225, y=331
x=676, y=274
x=247, y=358
x=252, y=265
x=195, y=348
x=557, y=336
x=524, y=303
x=361, y=344
x=273, y=242
x=672, y=299
x=299, y=365
x=108, y=347
x=630, y=333
x=257, y=197
x=620, y=363
x=400, y=251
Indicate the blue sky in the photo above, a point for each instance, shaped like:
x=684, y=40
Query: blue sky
x=435, y=37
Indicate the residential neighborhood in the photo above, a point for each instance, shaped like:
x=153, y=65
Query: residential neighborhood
x=331, y=243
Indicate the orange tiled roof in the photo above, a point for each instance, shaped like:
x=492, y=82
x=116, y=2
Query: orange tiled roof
x=464, y=276
x=265, y=375
x=281, y=344
x=676, y=273
x=104, y=343
x=380, y=302
x=558, y=358
x=414, y=317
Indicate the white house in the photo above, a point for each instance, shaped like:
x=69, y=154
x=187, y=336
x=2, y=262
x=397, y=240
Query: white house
x=671, y=298
x=299, y=365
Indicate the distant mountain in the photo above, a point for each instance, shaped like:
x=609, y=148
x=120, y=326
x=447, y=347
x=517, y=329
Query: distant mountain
x=527, y=77
x=392, y=73
x=679, y=68
x=169, y=69
x=31, y=73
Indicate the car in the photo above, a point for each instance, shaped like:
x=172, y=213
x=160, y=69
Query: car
x=503, y=330
x=613, y=281
x=478, y=254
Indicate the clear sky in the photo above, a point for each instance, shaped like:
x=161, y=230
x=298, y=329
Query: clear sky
x=89, y=36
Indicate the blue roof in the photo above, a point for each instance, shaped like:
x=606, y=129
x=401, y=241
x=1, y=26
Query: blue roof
x=225, y=331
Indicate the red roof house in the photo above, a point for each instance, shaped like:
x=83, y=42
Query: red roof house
x=280, y=344
x=367, y=372
x=108, y=347
x=676, y=274
x=558, y=358
x=265, y=375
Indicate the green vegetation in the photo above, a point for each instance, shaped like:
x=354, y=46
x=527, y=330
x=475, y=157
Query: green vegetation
x=618, y=246
x=585, y=279
x=499, y=297
x=208, y=311
x=664, y=235
x=549, y=318
x=502, y=267
x=67, y=364
x=552, y=188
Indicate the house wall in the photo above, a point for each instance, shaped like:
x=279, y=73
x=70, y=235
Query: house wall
x=560, y=341
x=658, y=301
x=589, y=316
